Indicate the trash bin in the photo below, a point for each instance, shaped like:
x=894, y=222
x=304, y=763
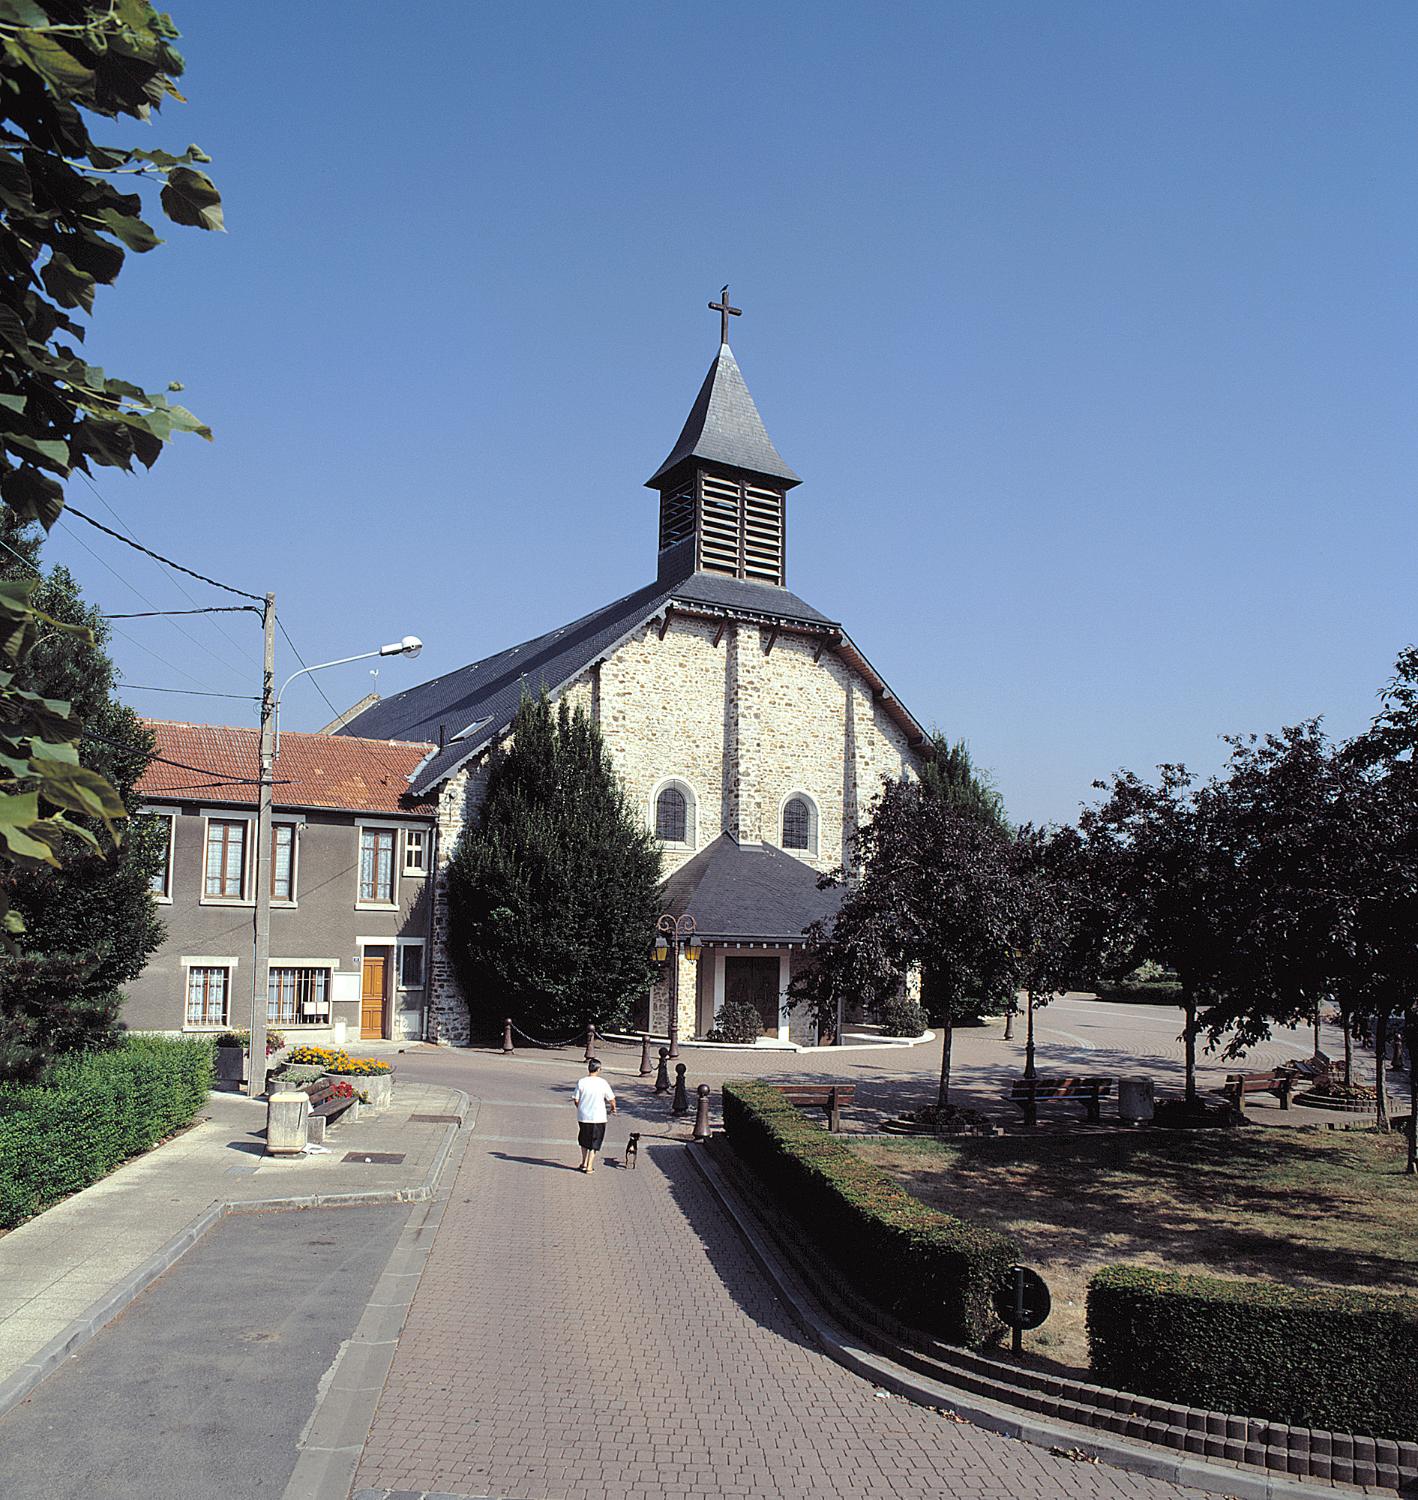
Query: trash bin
x=1135, y=1100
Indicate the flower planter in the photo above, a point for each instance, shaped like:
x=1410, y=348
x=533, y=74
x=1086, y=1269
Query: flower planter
x=378, y=1088
x=231, y=1064
x=1336, y=1102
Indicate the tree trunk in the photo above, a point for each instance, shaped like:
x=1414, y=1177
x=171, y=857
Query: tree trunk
x=1347, y=1022
x=947, y=1038
x=1380, y=1049
x=1031, y=1110
x=1317, y=1031
x=1189, y=1039
x=1410, y=1040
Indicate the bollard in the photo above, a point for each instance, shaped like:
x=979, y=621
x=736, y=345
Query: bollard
x=701, y=1114
x=662, y=1078
x=680, y=1103
x=507, y=1035
x=645, y=1068
x=590, y=1040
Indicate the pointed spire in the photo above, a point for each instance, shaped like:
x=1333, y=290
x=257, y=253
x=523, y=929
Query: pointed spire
x=724, y=427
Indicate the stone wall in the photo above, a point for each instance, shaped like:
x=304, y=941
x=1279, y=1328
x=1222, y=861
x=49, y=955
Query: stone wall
x=743, y=723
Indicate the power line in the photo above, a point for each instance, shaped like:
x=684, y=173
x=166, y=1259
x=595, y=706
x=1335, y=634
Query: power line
x=216, y=609
x=72, y=509
x=181, y=630
x=223, y=778
x=319, y=688
x=167, y=573
x=138, y=687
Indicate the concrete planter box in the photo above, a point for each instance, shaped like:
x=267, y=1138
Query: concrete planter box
x=231, y=1064
x=378, y=1087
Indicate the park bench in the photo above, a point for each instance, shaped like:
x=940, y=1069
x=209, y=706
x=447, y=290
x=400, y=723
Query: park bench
x=1312, y=1069
x=1087, y=1091
x=326, y=1105
x=1279, y=1081
x=825, y=1096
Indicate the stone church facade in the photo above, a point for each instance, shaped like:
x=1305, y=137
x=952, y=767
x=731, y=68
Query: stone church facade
x=747, y=726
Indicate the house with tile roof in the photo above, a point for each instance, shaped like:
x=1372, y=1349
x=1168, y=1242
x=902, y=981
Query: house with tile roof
x=351, y=905
x=747, y=725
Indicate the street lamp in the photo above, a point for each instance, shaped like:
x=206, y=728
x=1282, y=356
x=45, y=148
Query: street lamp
x=675, y=933
x=410, y=646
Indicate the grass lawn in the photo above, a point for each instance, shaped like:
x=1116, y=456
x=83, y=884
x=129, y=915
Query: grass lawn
x=1314, y=1207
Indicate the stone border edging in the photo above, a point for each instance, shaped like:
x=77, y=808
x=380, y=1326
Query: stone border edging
x=995, y=1416
x=14, y=1388
x=882, y=1044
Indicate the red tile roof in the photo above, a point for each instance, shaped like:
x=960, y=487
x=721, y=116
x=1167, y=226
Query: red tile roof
x=220, y=764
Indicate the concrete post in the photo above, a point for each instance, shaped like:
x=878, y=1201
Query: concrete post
x=701, y=1114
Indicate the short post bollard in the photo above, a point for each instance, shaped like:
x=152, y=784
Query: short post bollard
x=590, y=1040
x=507, y=1035
x=701, y=1114
x=645, y=1068
x=662, y=1078
x=680, y=1104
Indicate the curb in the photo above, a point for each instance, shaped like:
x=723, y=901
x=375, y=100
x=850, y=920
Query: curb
x=1135, y=1458
x=329, y=1449
x=14, y=1388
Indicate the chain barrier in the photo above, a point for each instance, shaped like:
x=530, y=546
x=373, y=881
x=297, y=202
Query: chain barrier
x=537, y=1041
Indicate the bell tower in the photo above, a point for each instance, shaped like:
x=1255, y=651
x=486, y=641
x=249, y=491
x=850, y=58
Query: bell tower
x=723, y=488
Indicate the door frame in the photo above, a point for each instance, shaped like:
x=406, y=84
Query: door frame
x=388, y=944
x=784, y=957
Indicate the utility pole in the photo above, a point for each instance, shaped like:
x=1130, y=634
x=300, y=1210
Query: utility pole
x=261, y=959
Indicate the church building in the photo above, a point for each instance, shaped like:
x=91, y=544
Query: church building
x=747, y=725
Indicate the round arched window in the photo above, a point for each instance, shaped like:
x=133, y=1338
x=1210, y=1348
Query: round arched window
x=671, y=816
x=797, y=824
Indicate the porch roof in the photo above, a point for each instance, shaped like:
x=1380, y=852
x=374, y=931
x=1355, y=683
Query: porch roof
x=748, y=893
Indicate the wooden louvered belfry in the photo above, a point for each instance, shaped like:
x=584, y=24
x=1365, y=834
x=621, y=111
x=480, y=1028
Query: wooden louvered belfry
x=724, y=484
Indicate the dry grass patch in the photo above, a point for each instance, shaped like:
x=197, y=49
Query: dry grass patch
x=1306, y=1207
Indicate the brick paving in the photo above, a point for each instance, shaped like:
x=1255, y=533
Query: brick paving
x=611, y=1337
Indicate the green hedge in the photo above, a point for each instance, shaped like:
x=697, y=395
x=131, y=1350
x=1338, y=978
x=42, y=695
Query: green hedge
x=92, y=1112
x=1331, y=1359
x=927, y=1269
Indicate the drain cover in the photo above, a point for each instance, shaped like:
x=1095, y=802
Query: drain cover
x=435, y=1119
x=375, y=1158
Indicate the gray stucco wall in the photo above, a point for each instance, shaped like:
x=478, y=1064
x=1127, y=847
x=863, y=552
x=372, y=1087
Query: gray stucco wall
x=326, y=927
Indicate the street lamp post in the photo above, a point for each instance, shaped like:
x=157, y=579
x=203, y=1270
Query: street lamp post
x=675, y=933
x=410, y=646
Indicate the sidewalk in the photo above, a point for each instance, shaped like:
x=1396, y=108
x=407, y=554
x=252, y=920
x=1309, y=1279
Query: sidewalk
x=67, y=1272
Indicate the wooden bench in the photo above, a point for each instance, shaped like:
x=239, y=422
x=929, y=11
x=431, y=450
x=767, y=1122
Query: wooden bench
x=326, y=1105
x=1279, y=1081
x=1087, y=1091
x=825, y=1096
x=1312, y=1068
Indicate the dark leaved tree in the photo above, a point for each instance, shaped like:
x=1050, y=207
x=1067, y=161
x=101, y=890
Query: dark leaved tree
x=90, y=925
x=552, y=895
x=69, y=214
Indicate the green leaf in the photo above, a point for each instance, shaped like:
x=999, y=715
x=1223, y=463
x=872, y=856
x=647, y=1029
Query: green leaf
x=13, y=403
x=66, y=283
x=51, y=61
x=13, y=330
x=78, y=789
x=190, y=197
x=22, y=830
x=52, y=452
x=33, y=495
x=132, y=231
x=22, y=13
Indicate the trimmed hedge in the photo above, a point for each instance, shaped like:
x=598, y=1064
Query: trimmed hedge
x=92, y=1112
x=924, y=1267
x=1329, y=1359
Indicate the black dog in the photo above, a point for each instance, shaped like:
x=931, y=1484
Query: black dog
x=632, y=1148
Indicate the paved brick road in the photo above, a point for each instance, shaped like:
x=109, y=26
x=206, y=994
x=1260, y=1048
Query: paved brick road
x=611, y=1337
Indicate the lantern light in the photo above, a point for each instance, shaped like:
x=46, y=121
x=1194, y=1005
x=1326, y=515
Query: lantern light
x=662, y=950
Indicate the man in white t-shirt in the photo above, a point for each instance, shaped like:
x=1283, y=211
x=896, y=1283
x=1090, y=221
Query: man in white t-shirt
x=592, y=1099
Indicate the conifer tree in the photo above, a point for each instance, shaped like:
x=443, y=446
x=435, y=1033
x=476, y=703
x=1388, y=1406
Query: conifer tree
x=552, y=894
x=90, y=924
x=950, y=775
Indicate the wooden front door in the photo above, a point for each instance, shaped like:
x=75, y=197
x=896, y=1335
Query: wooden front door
x=371, y=998
x=754, y=981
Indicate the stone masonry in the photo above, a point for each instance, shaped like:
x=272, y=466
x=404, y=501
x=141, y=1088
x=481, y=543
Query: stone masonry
x=743, y=724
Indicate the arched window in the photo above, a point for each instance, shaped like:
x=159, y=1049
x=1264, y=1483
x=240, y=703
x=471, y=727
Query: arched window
x=798, y=824
x=672, y=816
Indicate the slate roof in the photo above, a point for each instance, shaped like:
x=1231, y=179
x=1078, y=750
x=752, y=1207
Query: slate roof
x=474, y=704
x=724, y=426
x=220, y=763
x=748, y=893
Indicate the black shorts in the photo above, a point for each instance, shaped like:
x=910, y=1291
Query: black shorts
x=590, y=1136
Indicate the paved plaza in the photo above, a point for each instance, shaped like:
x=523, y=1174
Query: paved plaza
x=569, y=1337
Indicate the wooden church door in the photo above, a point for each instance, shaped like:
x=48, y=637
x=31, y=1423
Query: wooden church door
x=754, y=981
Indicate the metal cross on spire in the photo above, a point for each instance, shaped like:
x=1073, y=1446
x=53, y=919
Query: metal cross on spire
x=725, y=313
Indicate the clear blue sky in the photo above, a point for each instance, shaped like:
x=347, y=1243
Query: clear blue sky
x=1090, y=328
